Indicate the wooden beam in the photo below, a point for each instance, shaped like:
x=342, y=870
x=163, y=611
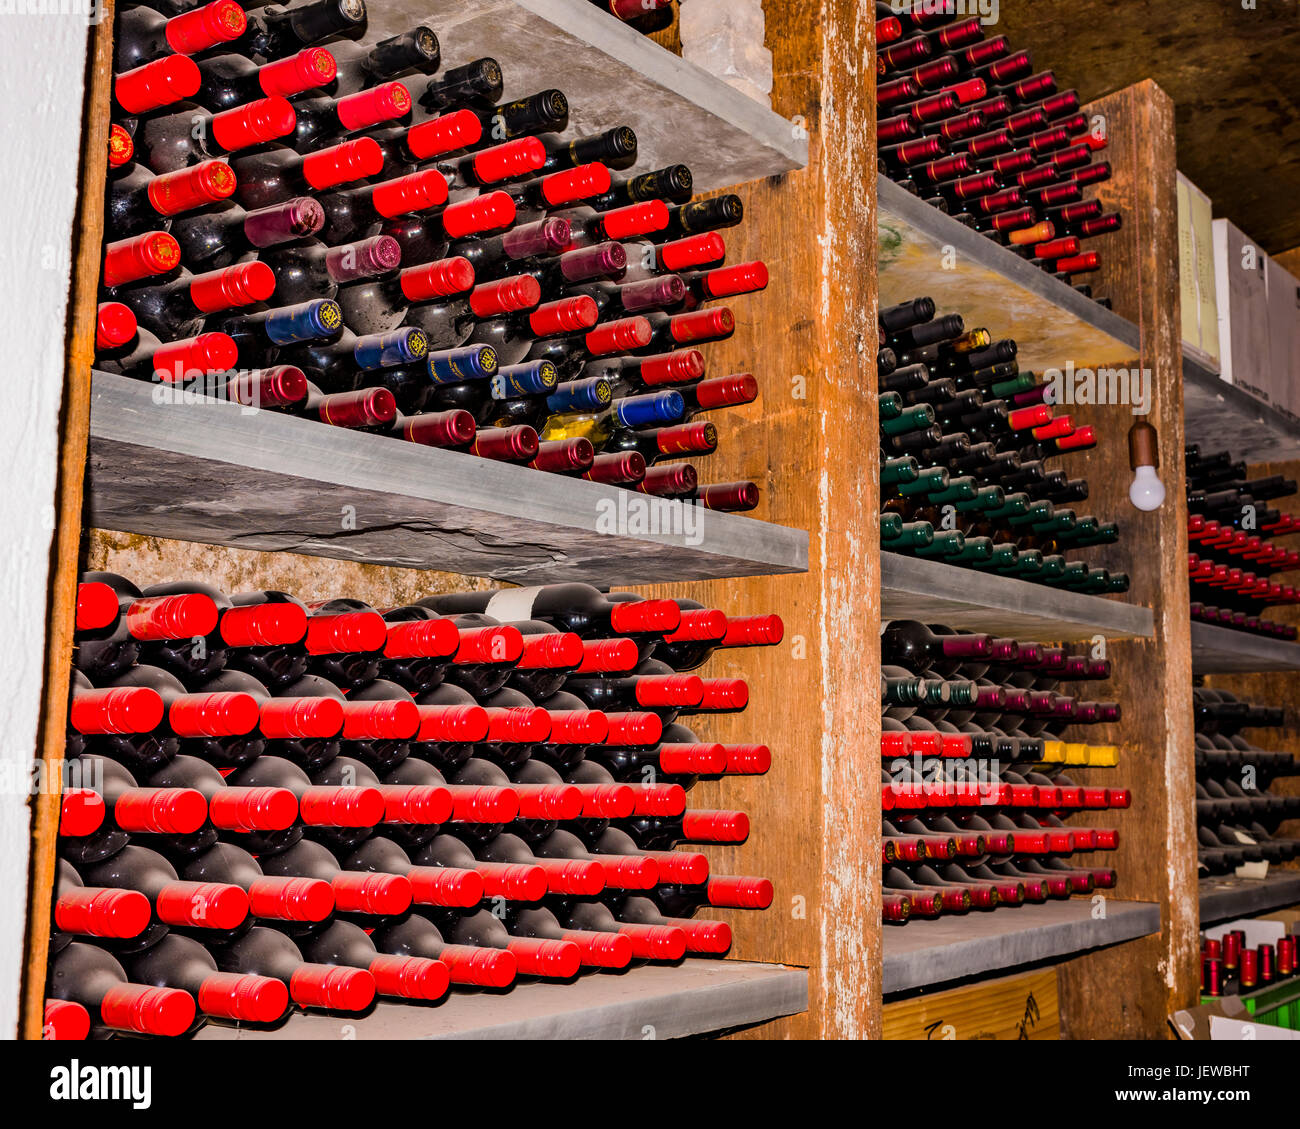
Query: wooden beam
x=811, y=340
x=87, y=238
x=1127, y=991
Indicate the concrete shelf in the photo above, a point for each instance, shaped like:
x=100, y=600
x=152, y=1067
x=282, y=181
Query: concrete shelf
x=212, y=472
x=924, y=251
x=933, y=592
x=1227, y=897
x=923, y=953
x=696, y=997
x=1223, y=650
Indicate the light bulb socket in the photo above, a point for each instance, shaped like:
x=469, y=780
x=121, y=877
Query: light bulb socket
x=1143, y=445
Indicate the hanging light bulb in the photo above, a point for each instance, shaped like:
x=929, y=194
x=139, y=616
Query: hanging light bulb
x=1146, y=491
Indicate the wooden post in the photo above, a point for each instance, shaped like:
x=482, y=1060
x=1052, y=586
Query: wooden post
x=810, y=442
x=87, y=238
x=1129, y=990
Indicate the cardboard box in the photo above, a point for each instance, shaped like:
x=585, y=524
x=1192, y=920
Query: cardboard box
x=1243, y=310
x=1199, y=302
x=1283, y=291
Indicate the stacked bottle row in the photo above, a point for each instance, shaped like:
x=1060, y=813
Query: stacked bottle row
x=271, y=803
x=348, y=232
x=1230, y=968
x=977, y=736
x=1237, y=816
x=965, y=439
x=1233, y=551
x=968, y=125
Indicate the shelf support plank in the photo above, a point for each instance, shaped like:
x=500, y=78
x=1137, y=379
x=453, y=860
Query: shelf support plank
x=1223, y=650
x=1224, y=899
x=1222, y=416
x=1156, y=858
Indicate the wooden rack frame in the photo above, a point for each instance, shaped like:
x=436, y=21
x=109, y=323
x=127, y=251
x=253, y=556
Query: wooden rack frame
x=811, y=443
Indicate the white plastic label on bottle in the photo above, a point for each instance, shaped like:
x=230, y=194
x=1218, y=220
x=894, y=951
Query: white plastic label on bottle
x=512, y=605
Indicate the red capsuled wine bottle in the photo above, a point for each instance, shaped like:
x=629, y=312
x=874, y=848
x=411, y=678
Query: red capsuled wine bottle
x=269, y=897
x=267, y=952
x=97, y=911
x=90, y=976
x=471, y=965
x=198, y=905
x=408, y=977
x=179, y=962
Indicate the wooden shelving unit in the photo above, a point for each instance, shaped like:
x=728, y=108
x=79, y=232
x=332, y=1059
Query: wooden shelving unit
x=269, y=483
x=819, y=963
x=1145, y=631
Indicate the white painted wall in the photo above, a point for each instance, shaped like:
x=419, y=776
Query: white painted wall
x=42, y=70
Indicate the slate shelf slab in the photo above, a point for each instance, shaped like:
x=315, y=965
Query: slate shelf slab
x=1220, y=416
x=696, y=997
x=1223, y=899
x=923, y=953
x=923, y=251
x=933, y=592
x=1221, y=650
x=612, y=75
x=219, y=474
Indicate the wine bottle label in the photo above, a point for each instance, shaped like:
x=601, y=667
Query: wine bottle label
x=512, y=605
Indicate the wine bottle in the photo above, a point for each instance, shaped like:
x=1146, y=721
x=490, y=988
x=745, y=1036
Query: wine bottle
x=177, y=309
x=228, y=81
x=169, y=142
x=181, y=963
x=646, y=16
x=142, y=34
x=355, y=212
x=138, y=201
x=273, y=174
x=275, y=31
x=309, y=269
x=87, y=975
x=362, y=66
x=217, y=238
